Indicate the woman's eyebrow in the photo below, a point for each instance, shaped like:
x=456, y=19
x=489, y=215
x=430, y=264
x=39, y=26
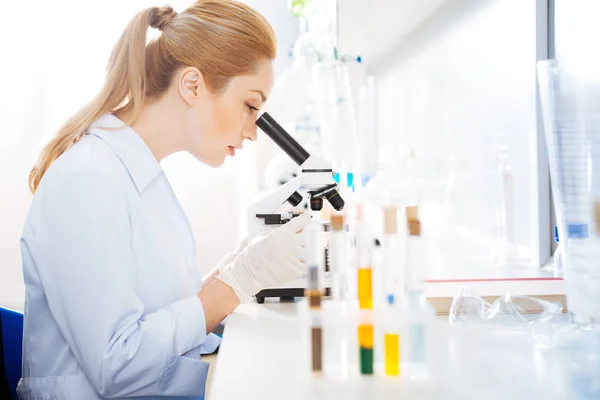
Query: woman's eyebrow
x=262, y=95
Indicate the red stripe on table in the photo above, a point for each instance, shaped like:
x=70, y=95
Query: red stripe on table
x=491, y=280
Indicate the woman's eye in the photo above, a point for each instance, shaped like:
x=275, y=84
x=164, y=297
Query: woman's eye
x=251, y=108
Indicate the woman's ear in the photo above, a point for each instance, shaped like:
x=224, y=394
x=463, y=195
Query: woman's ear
x=191, y=85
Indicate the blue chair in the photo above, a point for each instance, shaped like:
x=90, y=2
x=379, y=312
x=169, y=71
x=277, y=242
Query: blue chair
x=11, y=352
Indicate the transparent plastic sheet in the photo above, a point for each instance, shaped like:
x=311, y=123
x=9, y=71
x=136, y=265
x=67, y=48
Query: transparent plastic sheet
x=542, y=319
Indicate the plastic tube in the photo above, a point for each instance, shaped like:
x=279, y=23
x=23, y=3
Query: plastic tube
x=313, y=293
x=392, y=291
x=366, y=340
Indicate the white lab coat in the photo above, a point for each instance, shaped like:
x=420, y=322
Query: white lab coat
x=111, y=306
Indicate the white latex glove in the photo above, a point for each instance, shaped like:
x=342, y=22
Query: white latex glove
x=269, y=260
x=227, y=259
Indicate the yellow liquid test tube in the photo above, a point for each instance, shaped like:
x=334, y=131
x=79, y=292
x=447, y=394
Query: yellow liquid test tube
x=393, y=291
x=365, y=331
x=365, y=288
x=392, y=354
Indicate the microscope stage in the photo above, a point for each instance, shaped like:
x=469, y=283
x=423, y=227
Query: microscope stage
x=292, y=289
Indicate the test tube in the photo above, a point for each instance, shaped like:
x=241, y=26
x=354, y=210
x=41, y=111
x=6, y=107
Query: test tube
x=392, y=264
x=365, y=300
x=415, y=279
x=415, y=289
x=392, y=292
x=338, y=247
x=313, y=292
x=337, y=357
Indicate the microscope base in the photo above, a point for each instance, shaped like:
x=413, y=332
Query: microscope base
x=283, y=294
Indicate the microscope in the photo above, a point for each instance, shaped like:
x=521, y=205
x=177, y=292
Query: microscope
x=315, y=178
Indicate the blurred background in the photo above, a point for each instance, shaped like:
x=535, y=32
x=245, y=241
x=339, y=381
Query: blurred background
x=440, y=91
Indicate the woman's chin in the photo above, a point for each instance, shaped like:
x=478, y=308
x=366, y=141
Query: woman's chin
x=213, y=162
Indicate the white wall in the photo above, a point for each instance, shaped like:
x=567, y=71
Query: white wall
x=463, y=75
x=576, y=28
x=54, y=63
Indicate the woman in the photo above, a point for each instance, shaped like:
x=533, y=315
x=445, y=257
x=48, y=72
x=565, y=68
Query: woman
x=114, y=304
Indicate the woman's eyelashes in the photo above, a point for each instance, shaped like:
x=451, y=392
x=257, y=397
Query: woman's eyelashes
x=251, y=108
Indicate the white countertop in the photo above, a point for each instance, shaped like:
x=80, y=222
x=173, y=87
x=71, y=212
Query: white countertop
x=265, y=355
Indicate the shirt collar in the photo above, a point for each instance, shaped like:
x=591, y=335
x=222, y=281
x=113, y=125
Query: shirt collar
x=131, y=149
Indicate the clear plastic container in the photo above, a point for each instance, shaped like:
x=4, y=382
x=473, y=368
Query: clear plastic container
x=539, y=317
x=570, y=100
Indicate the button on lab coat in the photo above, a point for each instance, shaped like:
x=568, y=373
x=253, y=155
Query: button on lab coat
x=111, y=307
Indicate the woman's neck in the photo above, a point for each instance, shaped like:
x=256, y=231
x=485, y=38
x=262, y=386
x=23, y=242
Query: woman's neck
x=159, y=126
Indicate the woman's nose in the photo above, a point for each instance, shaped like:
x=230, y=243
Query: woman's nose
x=251, y=132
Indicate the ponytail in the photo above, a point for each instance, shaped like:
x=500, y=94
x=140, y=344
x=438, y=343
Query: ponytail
x=123, y=90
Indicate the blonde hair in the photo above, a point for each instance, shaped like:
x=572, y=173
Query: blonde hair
x=222, y=38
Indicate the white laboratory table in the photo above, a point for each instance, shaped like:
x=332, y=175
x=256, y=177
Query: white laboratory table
x=265, y=355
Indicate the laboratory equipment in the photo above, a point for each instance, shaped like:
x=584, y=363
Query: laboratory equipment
x=336, y=116
x=393, y=270
x=393, y=290
x=510, y=312
x=315, y=176
x=504, y=250
x=293, y=98
x=415, y=279
x=314, y=292
x=394, y=185
x=338, y=249
x=392, y=353
x=340, y=327
x=366, y=337
x=415, y=294
x=570, y=103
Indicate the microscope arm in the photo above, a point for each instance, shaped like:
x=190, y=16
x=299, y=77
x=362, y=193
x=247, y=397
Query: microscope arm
x=270, y=203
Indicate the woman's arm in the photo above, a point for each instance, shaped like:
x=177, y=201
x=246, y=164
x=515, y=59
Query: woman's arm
x=218, y=300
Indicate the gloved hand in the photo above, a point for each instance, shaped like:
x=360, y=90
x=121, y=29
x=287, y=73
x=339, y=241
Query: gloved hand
x=227, y=259
x=269, y=260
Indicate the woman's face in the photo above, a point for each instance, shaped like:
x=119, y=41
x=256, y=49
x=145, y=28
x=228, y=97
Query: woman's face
x=218, y=124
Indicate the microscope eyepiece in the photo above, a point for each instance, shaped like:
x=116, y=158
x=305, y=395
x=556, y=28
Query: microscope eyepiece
x=282, y=139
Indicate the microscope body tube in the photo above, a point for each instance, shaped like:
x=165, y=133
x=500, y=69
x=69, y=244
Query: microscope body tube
x=282, y=139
